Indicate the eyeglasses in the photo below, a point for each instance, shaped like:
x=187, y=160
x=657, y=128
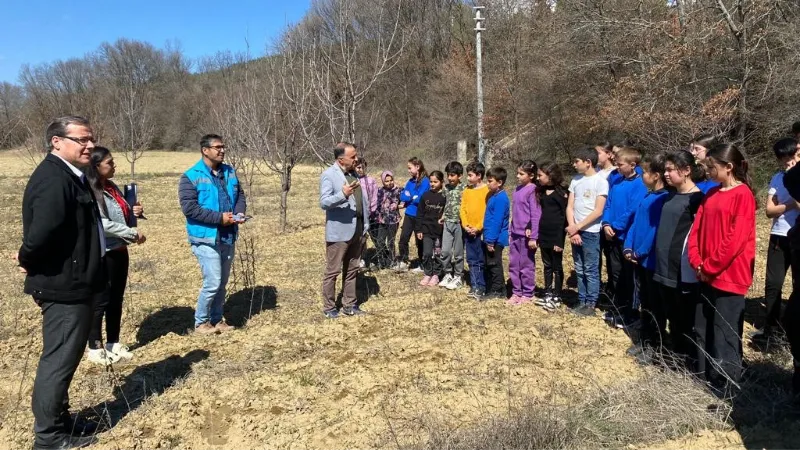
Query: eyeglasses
x=218, y=148
x=84, y=141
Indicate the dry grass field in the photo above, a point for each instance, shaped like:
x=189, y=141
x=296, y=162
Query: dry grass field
x=425, y=368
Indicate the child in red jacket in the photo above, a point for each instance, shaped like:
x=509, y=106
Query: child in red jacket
x=722, y=249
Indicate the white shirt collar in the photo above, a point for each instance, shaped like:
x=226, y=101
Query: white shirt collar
x=78, y=173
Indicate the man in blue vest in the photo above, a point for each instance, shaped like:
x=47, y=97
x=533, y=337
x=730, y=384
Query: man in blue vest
x=214, y=205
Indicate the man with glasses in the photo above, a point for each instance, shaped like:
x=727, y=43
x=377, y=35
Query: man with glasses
x=62, y=250
x=213, y=202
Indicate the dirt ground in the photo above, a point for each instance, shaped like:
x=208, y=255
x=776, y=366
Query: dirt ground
x=287, y=377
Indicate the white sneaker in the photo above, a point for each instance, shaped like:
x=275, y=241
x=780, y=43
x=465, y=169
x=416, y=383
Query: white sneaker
x=455, y=283
x=102, y=357
x=400, y=266
x=417, y=270
x=120, y=350
x=445, y=281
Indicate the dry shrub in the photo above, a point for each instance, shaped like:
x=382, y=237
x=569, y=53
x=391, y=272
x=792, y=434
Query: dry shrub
x=659, y=406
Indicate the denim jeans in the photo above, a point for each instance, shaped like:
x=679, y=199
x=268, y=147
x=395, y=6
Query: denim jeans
x=474, y=247
x=587, y=267
x=215, y=263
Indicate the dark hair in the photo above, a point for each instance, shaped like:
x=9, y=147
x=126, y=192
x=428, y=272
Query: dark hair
x=553, y=171
x=97, y=156
x=796, y=128
x=586, y=154
x=528, y=166
x=422, y=172
x=454, y=167
x=730, y=154
x=498, y=173
x=338, y=151
x=58, y=127
x=205, y=141
x=476, y=168
x=438, y=174
x=607, y=146
x=683, y=159
x=704, y=140
x=654, y=163
x=785, y=147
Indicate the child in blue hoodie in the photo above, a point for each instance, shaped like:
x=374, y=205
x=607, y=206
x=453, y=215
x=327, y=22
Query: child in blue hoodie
x=417, y=185
x=640, y=251
x=623, y=199
x=495, y=234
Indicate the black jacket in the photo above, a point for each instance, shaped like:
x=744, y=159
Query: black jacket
x=60, y=236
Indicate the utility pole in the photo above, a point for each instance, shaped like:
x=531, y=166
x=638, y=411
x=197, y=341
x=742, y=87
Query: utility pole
x=479, y=69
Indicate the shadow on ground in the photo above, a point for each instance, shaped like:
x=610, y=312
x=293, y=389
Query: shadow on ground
x=243, y=305
x=144, y=382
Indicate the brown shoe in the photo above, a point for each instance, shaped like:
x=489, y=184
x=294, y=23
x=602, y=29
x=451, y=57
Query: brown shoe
x=205, y=328
x=222, y=327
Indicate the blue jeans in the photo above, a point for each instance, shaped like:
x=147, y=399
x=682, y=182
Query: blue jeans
x=215, y=263
x=474, y=247
x=587, y=267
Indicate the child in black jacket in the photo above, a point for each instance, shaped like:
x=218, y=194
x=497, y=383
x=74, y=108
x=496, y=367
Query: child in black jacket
x=429, y=229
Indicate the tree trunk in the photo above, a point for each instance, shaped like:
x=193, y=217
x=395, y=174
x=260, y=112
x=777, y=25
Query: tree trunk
x=286, y=186
x=133, y=171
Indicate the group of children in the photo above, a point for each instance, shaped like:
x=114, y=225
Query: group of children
x=677, y=231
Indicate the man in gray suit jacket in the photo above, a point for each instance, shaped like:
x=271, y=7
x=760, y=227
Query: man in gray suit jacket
x=346, y=225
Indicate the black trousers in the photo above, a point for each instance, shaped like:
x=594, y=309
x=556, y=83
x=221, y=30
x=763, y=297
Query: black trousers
x=553, y=270
x=65, y=329
x=109, y=302
x=779, y=260
x=384, y=244
x=620, y=278
x=679, y=305
x=791, y=316
x=605, y=252
x=653, y=311
x=431, y=263
x=719, y=323
x=495, y=278
x=406, y=232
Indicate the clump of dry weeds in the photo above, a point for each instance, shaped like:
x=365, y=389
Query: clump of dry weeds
x=656, y=407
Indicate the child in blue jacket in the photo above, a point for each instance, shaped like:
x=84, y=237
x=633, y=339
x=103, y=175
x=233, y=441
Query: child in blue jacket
x=623, y=199
x=640, y=251
x=417, y=185
x=495, y=233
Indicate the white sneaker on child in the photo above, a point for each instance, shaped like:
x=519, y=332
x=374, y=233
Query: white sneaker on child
x=445, y=280
x=102, y=357
x=120, y=350
x=455, y=283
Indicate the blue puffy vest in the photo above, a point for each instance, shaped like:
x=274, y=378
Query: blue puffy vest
x=208, y=198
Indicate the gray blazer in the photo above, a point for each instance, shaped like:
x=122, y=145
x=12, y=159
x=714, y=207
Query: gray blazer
x=118, y=233
x=340, y=212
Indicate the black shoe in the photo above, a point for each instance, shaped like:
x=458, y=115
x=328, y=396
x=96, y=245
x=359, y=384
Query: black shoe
x=495, y=295
x=471, y=291
x=585, y=311
x=353, y=311
x=479, y=294
x=68, y=442
x=77, y=426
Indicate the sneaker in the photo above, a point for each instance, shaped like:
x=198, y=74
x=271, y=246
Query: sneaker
x=353, y=311
x=425, y=280
x=205, y=328
x=523, y=300
x=495, y=295
x=455, y=283
x=120, y=350
x=417, y=270
x=400, y=266
x=479, y=294
x=445, y=281
x=471, y=291
x=608, y=316
x=434, y=281
x=223, y=327
x=514, y=300
x=540, y=301
x=102, y=357
x=585, y=310
x=332, y=314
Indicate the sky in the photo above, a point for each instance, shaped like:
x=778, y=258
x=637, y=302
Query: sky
x=36, y=31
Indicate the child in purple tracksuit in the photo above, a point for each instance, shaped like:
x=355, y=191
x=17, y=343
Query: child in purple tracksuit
x=524, y=235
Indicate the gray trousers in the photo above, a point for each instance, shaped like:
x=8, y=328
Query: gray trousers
x=65, y=329
x=453, y=250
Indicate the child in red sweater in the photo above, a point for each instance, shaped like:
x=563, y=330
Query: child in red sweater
x=722, y=250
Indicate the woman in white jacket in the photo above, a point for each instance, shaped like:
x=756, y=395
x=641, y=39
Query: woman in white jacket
x=118, y=219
